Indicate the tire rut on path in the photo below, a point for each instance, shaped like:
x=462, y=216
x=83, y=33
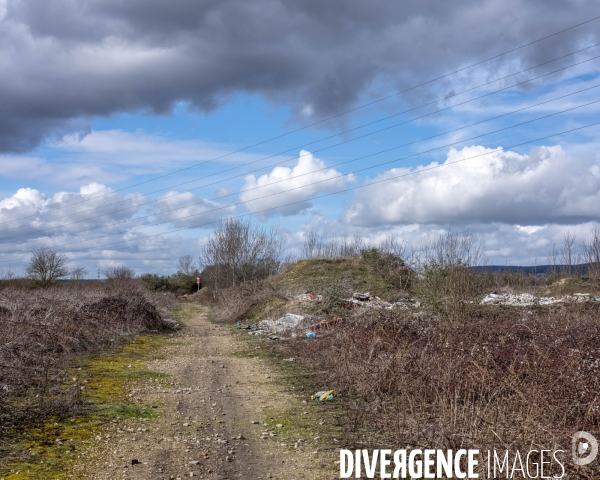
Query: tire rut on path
x=212, y=417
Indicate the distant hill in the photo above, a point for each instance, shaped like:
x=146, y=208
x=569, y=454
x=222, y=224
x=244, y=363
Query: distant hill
x=581, y=269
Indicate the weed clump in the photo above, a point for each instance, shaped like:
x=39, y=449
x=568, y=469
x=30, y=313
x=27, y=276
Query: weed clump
x=43, y=333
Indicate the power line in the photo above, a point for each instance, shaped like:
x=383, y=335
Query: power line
x=326, y=195
x=339, y=114
x=318, y=170
x=303, y=146
x=343, y=190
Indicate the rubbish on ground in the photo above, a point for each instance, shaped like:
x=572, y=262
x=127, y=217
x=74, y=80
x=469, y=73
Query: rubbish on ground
x=286, y=323
x=367, y=300
x=527, y=299
x=324, y=395
x=311, y=335
x=362, y=297
x=328, y=324
x=308, y=297
x=249, y=327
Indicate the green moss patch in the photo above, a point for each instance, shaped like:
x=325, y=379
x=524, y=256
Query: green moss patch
x=50, y=449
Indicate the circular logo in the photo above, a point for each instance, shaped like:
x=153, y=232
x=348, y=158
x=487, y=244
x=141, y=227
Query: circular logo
x=584, y=448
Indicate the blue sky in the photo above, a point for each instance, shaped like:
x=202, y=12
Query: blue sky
x=116, y=107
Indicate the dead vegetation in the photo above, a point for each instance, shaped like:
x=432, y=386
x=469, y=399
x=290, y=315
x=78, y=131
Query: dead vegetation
x=43, y=332
x=502, y=378
x=451, y=374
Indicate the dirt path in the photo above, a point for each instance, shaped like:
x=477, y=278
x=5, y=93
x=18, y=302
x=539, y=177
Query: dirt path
x=214, y=411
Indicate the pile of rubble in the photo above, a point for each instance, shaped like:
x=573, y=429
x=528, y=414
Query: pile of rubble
x=367, y=300
x=527, y=299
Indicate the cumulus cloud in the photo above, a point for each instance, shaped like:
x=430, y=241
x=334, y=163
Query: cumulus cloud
x=188, y=210
x=29, y=215
x=102, y=57
x=280, y=187
x=545, y=186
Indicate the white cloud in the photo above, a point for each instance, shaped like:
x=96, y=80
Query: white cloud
x=30, y=212
x=280, y=187
x=142, y=149
x=187, y=210
x=111, y=156
x=68, y=173
x=544, y=186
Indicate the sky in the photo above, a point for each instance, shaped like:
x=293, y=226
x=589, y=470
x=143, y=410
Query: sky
x=129, y=129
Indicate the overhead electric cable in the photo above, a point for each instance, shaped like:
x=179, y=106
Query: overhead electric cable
x=342, y=113
x=303, y=146
x=322, y=181
x=311, y=172
x=345, y=190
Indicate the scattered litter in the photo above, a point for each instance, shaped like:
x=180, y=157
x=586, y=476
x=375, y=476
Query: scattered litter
x=286, y=323
x=362, y=297
x=527, y=299
x=310, y=335
x=367, y=300
x=324, y=395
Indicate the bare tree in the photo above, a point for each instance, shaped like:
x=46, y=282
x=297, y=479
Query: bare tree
x=391, y=244
x=78, y=273
x=452, y=249
x=553, y=259
x=10, y=275
x=46, y=266
x=591, y=252
x=321, y=246
x=118, y=273
x=569, y=256
x=238, y=251
x=186, y=266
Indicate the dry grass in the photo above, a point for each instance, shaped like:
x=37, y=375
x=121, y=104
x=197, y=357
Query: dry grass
x=569, y=286
x=235, y=303
x=43, y=332
x=321, y=276
x=453, y=374
x=502, y=379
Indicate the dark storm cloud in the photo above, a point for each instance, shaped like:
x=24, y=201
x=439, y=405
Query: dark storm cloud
x=63, y=61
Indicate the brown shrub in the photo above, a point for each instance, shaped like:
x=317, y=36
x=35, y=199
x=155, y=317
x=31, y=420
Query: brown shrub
x=42, y=332
x=503, y=378
x=234, y=303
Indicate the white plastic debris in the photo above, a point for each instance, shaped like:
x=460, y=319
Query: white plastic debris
x=286, y=323
x=367, y=300
x=527, y=299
